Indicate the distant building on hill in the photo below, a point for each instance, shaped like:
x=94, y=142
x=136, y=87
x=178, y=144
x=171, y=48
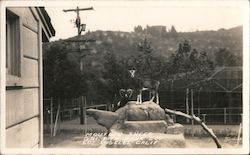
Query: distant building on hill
x=158, y=30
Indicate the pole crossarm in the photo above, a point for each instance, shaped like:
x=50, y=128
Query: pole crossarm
x=80, y=27
x=82, y=9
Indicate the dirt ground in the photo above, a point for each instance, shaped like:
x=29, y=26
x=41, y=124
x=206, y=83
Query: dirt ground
x=73, y=140
x=72, y=134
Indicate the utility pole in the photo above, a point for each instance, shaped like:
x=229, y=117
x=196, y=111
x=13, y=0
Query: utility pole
x=80, y=29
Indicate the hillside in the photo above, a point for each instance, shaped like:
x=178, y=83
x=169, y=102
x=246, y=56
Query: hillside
x=164, y=43
x=166, y=56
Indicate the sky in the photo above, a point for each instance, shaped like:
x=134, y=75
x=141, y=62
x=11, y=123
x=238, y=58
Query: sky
x=125, y=15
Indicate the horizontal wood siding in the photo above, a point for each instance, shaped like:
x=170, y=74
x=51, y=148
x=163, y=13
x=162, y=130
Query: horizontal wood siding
x=30, y=40
x=21, y=105
x=25, y=135
x=29, y=74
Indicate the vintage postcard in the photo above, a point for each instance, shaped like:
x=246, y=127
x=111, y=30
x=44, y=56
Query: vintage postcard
x=124, y=77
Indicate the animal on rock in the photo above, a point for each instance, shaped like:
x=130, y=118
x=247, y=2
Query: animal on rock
x=148, y=85
x=145, y=84
x=125, y=95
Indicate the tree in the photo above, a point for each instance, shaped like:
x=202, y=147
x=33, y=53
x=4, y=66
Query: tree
x=187, y=60
x=204, y=65
x=146, y=63
x=173, y=32
x=226, y=58
x=145, y=46
x=115, y=75
x=62, y=77
x=138, y=29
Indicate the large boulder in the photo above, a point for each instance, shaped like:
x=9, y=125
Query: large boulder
x=141, y=112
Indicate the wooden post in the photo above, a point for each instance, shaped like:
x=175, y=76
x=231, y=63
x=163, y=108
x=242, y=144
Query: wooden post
x=192, y=102
x=192, y=109
x=84, y=109
x=204, y=118
x=230, y=111
x=81, y=110
x=239, y=133
x=199, y=101
x=57, y=116
x=79, y=106
x=187, y=107
x=85, y=116
x=72, y=107
x=51, y=116
x=225, y=115
x=172, y=116
x=47, y=119
x=59, y=122
x=172, y=94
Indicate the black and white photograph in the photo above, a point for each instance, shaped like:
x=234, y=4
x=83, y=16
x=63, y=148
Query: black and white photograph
x=124, y=77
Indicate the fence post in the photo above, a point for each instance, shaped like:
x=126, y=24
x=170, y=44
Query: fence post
x=82, y=110
x=173, y=118
x=85, y=116
x=240, y=130
x=79, y=105
x=225, y=115
x=51, y=116
x=57, y=117
x=187, y=107
x=204, y=117
x=192, y=103
x=192, y=110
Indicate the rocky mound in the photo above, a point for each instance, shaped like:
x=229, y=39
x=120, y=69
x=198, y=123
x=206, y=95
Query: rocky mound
x=146, y=124
x=141, y=112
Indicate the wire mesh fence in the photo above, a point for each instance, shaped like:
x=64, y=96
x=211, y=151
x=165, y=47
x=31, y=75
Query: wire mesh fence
x=214, y=115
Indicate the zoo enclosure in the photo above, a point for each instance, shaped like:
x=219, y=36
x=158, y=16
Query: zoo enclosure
x=70, y=109
x=212, y=107
x=56, y=110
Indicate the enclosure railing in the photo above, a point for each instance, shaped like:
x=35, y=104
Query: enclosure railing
x=56, y=110
x=225, y=115
x=69, y=107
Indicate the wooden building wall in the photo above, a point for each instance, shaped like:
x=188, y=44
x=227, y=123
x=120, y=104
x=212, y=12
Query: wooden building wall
x=23, y=114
